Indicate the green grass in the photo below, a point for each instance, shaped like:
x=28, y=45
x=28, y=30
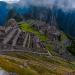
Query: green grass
x=10, y=66
x=49, y=47
x=26, y=27
x=64, y=37
x=36, y=65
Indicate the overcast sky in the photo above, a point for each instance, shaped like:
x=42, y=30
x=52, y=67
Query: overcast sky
x=64, y=4
x=10, y=1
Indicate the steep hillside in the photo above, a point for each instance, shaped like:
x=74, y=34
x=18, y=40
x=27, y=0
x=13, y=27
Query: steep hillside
x=29, y=64
x=26, y=62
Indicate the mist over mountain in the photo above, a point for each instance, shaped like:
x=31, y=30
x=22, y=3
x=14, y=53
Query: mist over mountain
x=65, y=16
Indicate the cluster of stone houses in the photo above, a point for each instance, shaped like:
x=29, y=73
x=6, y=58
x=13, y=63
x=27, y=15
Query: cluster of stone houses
x=53, y=33
x=49, y=30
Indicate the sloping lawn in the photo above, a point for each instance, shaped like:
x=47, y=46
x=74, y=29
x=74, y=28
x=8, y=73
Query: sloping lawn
x=11, y=66
x=26, y=27
x=36, y=65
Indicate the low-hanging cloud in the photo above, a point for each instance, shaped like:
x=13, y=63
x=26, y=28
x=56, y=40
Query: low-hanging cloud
x=63, y=4
x=10, y=1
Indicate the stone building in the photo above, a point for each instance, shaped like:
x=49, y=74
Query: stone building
x=53, y=34
x=40, y=26
x=11, y=24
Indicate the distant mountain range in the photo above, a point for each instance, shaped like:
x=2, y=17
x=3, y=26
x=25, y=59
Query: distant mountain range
x=65, y=20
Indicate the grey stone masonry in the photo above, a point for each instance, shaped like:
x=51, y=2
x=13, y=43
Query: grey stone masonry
x=25, y=40
x=9, y=36
x=15, y=39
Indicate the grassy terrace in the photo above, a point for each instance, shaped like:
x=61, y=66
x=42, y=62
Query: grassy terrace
x=12, y=65
x=28, y=64
x=26, y=27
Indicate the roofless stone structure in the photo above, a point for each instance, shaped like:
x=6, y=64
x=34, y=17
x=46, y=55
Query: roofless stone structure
x=16, y=40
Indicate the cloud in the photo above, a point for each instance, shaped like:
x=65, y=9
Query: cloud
x=10, y=1
x=63, y=4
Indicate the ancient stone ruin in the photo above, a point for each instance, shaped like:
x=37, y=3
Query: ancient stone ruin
x=13, y=39
x=49, y=30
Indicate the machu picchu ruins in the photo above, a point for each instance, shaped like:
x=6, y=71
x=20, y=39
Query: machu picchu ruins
x=35, y=40
x=13, y=39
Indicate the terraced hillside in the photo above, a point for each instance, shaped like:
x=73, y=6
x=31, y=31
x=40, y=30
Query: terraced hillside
x=20, y=56
x=29, y=64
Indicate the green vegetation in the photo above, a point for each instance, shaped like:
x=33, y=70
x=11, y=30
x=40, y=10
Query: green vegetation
x=29, y=64
x=26, y=27
x=63, y=37
x=10, y=66
x=49, y=47
x=32, y=64
x=72, y=47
